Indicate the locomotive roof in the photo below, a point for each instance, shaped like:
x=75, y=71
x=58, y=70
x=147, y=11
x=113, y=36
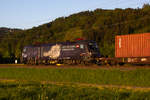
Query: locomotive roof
x=62, y=43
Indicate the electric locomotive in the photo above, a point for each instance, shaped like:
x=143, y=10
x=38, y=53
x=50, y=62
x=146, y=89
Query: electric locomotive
x=77, y=52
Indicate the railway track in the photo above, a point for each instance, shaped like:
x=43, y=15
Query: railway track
x=125, y=67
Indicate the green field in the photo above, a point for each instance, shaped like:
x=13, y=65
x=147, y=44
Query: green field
x=36, y=91
x=74, y=84
x=136, y=77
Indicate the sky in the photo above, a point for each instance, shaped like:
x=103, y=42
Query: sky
x=26, y=14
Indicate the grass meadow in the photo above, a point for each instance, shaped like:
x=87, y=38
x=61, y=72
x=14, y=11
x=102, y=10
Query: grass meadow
x=136, y=77
x=33, y=84
x=36, y=91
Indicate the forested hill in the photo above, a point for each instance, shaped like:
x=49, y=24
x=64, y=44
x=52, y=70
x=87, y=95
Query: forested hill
x=5, y=31
x=99, y=25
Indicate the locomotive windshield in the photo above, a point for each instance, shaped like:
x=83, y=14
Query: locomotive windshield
x=93, y=46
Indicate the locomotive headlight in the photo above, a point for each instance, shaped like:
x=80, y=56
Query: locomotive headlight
x=77, y=46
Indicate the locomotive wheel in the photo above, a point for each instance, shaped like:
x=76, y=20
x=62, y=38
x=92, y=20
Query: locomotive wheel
x=87, y=63
x=77, y=62
x=86, y=60
x=74, y=62
x=68, y=62
x=28, y=62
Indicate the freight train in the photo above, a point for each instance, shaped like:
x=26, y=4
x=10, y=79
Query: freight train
x=130, y=49
x=80, y=51
x=133, y=48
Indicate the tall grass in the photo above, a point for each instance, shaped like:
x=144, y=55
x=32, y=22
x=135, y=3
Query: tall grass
x=53, y=92
x=137, y=77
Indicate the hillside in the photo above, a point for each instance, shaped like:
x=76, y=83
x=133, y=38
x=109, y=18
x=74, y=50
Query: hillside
x=4, y=30
x=99, y=25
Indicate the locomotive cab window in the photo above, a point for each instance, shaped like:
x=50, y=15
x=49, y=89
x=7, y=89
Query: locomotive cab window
x=92, y=46
x=81, y=46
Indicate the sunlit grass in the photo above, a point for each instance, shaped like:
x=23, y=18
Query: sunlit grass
x=35, y=91
x=137, y=77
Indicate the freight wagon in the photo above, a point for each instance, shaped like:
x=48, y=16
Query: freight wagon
x=132, y=48
x=81, y=51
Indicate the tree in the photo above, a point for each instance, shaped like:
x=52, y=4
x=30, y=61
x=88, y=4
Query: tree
x=146, y=7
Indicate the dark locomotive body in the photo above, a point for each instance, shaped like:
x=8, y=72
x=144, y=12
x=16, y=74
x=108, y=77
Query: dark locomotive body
x=83, y=51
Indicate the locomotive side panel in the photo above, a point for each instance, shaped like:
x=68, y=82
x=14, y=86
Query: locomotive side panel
x=51, y=51
x=80, y=50
x=72, y=51
x=28, y=54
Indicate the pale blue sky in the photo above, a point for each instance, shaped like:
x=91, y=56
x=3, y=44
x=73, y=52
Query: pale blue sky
x=29, y=13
